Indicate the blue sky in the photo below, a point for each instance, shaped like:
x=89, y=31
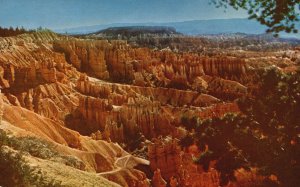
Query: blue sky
x=58, y=14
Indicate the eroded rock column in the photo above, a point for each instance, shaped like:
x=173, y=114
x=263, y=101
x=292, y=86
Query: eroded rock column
x=1, y=106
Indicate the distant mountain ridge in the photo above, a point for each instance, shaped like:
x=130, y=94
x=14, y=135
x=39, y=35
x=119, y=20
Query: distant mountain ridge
x=136, y=30
x=195, y=27
x=255, y=37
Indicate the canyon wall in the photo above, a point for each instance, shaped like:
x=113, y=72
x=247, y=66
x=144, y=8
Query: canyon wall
x=118, y=62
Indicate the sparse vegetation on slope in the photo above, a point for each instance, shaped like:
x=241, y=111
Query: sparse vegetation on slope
x=265, y=136
x=16, y=169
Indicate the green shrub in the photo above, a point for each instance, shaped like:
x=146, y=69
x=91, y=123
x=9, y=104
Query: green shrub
x=15, y=170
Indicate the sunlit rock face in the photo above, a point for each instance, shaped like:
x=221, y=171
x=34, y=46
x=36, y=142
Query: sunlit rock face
x=164, y=154
x=117, y=61
x=1, y=106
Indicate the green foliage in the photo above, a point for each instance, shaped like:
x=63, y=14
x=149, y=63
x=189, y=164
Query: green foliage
x=14, y=168
x=189, y=122
x=204, y=159
x=5, y=32
x=73, y=162
x=35, y=147
x=266, y=136
x=186, y=141
x=41, y=29
x=277, y=15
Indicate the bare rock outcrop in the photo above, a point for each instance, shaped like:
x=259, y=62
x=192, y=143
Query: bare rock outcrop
x=98, y=156
x=164, y=154
x=157, y=180
x=127, y=120
x=119, y=62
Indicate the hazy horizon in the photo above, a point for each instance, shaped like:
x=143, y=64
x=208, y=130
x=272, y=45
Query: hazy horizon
x=62, y=14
